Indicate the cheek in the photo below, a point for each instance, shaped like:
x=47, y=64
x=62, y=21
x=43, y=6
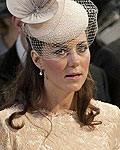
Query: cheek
x=86, y=61
x=55, y=66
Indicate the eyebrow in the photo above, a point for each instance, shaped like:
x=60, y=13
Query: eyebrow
x=65, y=46
x=59, y=46
x=83, y=42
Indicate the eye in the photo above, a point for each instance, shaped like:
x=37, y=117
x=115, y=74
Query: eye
x=61, y=52
x=81, y=47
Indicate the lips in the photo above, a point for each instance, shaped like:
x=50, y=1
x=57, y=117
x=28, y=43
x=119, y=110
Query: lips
x=73, y=76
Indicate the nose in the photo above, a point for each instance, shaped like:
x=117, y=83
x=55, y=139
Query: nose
x=74, y=59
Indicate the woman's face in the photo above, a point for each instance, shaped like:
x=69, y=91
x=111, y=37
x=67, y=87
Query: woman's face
x=68, y=67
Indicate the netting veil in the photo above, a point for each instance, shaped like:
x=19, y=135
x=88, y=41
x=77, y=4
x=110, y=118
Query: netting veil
x=49, y=24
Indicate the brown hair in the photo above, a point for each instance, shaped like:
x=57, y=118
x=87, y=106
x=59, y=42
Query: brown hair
x=27, y=89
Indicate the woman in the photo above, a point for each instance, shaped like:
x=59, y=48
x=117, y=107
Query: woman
x=51, y=104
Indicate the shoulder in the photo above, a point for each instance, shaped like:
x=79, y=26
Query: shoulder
x=107, y=111
x=5, y=139
x=110, y=117
x=6, y=113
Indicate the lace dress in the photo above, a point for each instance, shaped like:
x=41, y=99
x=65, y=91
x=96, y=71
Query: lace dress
x=61, y=131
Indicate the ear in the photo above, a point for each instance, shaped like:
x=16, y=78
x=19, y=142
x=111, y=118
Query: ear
x=18, y=23
x=36, y=59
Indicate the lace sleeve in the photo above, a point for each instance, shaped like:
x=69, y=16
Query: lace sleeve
x=3, y=136
x=110, y=117
x=5, y=140
x=118, y=130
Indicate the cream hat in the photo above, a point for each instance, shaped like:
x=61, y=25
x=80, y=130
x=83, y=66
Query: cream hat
x=56, y=21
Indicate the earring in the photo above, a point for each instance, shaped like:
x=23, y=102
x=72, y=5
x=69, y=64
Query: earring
x=41, y=72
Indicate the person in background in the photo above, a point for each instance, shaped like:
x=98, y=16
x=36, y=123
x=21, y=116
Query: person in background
x=107, y=54
x=101, y=83
x=10, y=60
x=108, y=58
x=8, y=31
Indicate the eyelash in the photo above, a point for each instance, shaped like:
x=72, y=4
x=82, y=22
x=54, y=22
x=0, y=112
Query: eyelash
x=84, y=48
x=59, y=52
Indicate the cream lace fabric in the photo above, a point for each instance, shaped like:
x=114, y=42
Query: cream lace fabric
x=66, y=134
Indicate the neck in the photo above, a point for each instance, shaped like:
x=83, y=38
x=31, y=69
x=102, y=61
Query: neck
x=58, y=100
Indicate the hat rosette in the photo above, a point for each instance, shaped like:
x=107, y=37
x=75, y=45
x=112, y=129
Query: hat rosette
x=33, y=11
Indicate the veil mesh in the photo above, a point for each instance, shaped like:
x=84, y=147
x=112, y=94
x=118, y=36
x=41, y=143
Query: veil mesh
x=92, y=12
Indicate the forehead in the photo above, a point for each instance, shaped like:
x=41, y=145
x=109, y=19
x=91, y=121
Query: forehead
x=49, y=50
x=80, y=39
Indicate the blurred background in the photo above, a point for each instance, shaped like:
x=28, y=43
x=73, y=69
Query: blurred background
x=108, y=22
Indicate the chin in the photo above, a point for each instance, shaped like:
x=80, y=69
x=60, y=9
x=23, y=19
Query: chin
x=74, y=85
x=74, y=88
